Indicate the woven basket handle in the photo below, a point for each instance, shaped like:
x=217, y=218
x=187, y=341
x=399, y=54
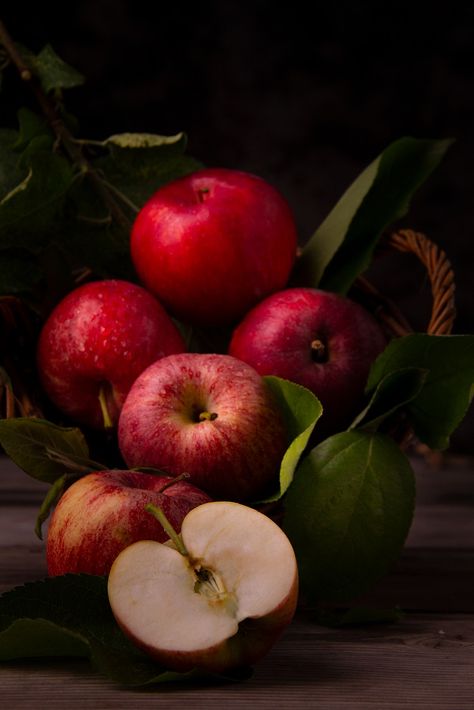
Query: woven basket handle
x=441, y=278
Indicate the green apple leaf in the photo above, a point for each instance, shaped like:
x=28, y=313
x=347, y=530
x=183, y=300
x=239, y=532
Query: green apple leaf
x=29, y=212
x=301, y=410
x=393, y=392
x=136, y=141
x=348, y=512
x=31, y=126
x=45, y=450
x=341, y=248
x=138, y=164
x=19, y=273
x=447, y=390
x=52, y=71
x=11, y=172
x=70, y=616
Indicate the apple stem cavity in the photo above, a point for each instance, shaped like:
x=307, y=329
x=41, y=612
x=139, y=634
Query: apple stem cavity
x=168, y=528
x=318, y=351
x=202, y=193
x=108, y=423
x=207, y=416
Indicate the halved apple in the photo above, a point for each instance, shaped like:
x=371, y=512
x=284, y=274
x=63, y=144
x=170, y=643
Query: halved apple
x=219, y=602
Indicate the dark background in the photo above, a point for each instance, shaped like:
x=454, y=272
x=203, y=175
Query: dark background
x=306, y=98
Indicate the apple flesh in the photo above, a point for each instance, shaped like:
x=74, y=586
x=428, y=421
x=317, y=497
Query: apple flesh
x=96, y=342
x=317, y=339
x=222, y=604
x=209, y=415
x=102, y=513
x=213, y=243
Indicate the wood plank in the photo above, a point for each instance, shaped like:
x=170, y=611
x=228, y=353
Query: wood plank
x=417, y=663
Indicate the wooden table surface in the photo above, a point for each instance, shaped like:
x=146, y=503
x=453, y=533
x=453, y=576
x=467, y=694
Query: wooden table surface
x=424, y=661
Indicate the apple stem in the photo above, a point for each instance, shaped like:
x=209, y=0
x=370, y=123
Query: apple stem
x=182, y=477
x=108, y=423
x=210, y=416
x=201, y=193
x=167, y=527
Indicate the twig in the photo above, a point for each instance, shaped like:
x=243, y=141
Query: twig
x=67, y=140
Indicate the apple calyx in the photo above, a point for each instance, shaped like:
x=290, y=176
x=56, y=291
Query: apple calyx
x=209, y=416
x=319, y=351
x=207, y=582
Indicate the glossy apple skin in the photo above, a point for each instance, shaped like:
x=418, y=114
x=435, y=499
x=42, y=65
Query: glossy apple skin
x=104, y=512
x=104, y=333
x=234, y=455
x=276, y=336
x=213, y=243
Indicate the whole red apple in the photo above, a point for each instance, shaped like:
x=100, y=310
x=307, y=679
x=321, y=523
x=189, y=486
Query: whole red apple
x=96, y=342
x=317, y=339
x=209, y=415
x=104, y=512
x=213, y=243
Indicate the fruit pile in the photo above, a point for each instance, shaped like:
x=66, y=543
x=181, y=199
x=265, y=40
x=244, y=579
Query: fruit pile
x=247, y=421
x=214, y=249
x=202, y=383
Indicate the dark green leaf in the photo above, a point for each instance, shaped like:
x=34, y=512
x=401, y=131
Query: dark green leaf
x=341, y=248
x=446, y=393
x=19, y=273
x=70, y=615
x=11, y=173
x=348, y=512
x=36, y=638
x=138, y=164
x=31, y=126
x=53, y=72
x=301, y=410
x=30, y=211
x=44, y=450
x=394, y=391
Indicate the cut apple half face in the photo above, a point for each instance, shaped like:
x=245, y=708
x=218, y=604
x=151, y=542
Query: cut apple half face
x=219, y=603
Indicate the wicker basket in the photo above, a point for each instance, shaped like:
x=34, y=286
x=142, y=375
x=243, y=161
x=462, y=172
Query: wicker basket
x=441, y=278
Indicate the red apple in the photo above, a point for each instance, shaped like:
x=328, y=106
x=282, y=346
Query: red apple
x=213, y=243
x=104, y=512
x=317, y=339
x=209, y=415
x=218, y=601
x=96, y=342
